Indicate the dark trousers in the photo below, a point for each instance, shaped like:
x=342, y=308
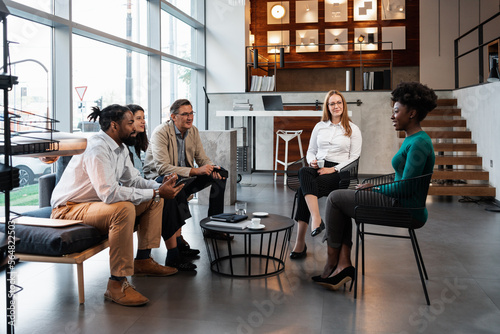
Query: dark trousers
x=311, y=183
x=176, y=210
x=340, y=207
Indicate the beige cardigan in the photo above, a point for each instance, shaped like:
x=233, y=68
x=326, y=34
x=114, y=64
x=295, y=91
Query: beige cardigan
x=161, y=155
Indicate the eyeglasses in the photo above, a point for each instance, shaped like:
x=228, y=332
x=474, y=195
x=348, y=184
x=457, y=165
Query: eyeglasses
x=185, y=114
x=338, y=103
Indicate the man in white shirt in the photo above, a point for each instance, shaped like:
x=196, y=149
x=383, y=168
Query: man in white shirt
x=102, y=188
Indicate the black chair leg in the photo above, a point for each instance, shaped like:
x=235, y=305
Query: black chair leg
x=420, y=254
x=415, y=251
x=362, y=235
x=356, y=264
x=294, y=202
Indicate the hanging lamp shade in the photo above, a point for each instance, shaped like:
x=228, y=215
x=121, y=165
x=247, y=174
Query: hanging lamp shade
x=255, y=58
x=282, y=57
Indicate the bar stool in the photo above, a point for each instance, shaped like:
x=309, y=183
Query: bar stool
x=286, y=135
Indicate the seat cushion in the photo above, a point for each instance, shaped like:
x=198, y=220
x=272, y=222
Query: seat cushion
x=54, y=241
x=39, y=213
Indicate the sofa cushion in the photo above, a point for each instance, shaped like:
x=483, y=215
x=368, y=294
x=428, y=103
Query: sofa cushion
x=39, y=213
x=55, y=241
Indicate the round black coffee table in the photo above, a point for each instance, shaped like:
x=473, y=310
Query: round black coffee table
x=262, y=252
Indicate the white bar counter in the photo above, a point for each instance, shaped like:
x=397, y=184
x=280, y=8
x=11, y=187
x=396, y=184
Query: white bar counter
x=268, y=113
x=251, y=115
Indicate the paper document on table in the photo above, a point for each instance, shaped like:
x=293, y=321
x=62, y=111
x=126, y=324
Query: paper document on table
x=239, y=226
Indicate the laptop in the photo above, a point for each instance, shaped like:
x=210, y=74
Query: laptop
x=272, y=102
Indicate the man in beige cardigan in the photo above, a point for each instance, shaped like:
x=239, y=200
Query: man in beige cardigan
x=175, y=147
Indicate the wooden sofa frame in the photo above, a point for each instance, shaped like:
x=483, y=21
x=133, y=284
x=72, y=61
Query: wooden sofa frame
x=74, y=258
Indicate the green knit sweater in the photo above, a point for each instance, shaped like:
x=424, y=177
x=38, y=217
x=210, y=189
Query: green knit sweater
x=415, y=158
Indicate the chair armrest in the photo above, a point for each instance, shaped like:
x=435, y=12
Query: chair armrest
x=349, y=175
x=408, y=193
x=46, y=184
x=382, y=179
x=292, y=173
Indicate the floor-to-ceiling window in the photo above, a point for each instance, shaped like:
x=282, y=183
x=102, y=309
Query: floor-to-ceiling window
x=75, y=54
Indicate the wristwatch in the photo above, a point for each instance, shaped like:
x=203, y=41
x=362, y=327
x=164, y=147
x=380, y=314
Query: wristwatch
x=157, y=195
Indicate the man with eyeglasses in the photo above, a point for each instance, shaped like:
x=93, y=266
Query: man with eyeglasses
x=175, y=147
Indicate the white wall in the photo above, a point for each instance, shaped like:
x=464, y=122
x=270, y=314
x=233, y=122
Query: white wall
x=480, y=106
x=441, y=22
x=225, y=44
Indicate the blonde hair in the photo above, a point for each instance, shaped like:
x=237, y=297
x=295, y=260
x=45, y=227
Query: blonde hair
x=344, y=118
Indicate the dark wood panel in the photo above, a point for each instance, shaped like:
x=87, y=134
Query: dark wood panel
x=408, y=57
x=306, y=124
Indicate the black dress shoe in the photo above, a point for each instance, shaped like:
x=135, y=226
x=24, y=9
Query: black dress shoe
x=190, y=253
x=299, y=255
x=181, y=264
x=186, y=251
x=318, y=230
x=333, y=283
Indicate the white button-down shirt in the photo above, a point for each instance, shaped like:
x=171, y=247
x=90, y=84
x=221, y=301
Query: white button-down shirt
x=329, y=142
x=103, y=173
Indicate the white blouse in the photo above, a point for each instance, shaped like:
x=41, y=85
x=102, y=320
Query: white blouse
x=329, y=142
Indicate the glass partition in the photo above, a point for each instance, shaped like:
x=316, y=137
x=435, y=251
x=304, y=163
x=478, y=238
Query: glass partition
x=121, y=18
x=104, y=74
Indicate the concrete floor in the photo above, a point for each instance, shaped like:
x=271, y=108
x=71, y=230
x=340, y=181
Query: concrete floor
x=460, y=244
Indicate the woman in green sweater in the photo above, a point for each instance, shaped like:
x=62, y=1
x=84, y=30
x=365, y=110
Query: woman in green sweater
x=412, y=102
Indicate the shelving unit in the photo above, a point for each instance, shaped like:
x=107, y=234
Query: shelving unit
x=21, y=133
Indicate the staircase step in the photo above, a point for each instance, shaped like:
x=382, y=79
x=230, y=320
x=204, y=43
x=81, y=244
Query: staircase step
x=447, y=147
x=444, y=134
x=460, y=174
x=462, y=190
x=446, y=112
x=447, y=102
x=458, y=160
x=444, y=123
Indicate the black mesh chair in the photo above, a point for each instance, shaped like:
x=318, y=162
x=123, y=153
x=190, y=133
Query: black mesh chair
x=293, y=182
x=408, y=197
x=348, y=177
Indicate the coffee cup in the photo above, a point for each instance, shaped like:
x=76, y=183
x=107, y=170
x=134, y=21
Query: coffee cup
x=320, y=163
x=255, y=222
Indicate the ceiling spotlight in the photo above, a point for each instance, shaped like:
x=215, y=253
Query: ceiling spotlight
x=361, y=38
x=278, y=11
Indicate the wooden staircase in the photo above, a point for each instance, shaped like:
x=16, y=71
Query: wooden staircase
x=458, y=170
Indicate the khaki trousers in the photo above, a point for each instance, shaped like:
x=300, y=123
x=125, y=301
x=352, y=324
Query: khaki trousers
x=117, y=220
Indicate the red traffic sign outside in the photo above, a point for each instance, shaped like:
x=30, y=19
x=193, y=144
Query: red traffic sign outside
x=81, y=91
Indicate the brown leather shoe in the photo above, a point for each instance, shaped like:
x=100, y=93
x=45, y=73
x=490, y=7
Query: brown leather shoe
x=149, y=267
x=124, y=293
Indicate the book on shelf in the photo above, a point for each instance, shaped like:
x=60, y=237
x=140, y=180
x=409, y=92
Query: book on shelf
x=262, y=83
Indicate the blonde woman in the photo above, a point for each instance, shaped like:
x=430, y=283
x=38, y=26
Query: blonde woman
x=335, y=142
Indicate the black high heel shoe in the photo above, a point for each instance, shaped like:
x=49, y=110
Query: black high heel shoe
x=318, y=277
x=299, y=255
x=318, y=229
x=333, y=283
